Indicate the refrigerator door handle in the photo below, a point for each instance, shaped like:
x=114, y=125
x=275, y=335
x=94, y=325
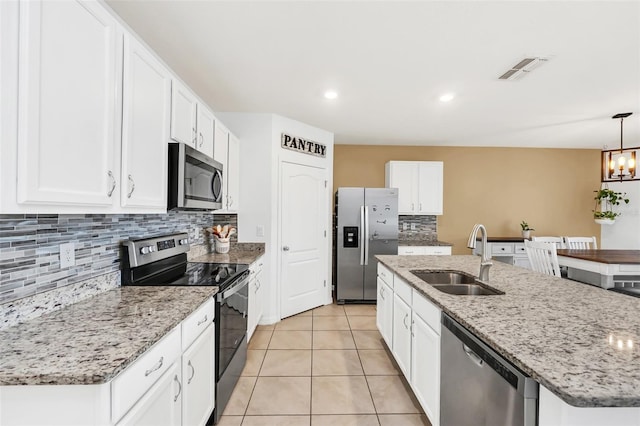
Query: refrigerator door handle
x=362, y=237
x=366, y=235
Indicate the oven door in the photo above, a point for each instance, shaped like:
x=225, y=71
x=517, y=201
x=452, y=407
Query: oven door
x=195, y=179
x=232, y=320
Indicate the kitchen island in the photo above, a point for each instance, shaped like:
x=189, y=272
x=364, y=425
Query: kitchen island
x=579, y=342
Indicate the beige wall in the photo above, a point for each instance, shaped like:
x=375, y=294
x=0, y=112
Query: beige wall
x=552, y=189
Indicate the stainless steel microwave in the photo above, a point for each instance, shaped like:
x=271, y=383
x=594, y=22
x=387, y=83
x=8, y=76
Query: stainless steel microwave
x=195, y=180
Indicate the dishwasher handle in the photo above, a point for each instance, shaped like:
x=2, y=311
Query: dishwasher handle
x=472, y=355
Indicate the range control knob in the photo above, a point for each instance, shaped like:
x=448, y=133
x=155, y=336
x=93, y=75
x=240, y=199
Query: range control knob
x=183, y=242
x=153, y=249
x=145, y=249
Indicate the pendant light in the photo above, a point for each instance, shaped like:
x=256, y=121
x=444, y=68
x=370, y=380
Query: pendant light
x=619, y=165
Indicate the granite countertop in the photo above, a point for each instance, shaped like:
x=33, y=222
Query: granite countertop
x=91, y=341
x=579, y=341
x=238, y=253
x=423, y=243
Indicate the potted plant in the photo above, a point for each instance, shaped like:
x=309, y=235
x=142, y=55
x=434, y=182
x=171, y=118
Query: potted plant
x=605, y=200
x=526, y=230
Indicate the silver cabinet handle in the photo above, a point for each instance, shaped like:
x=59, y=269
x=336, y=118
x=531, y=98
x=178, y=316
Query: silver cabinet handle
x=203, y=320
x=404, y=321
x=285, y=248
x=175, y=398
x=155, y=367
x=201, y=139
x=193, y=372
x=113, y=183
x=133, y=186
x=411, y=328
x=230, y=200
x=412, y=207
x=194, y=140
x=420, y=206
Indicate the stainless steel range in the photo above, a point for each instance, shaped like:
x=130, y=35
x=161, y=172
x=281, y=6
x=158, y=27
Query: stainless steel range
x=162, y=261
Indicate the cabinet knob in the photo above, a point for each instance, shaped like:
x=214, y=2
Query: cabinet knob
x=285, y=248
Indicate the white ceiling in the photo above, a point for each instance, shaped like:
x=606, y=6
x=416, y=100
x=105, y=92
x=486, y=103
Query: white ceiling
x=390, y=61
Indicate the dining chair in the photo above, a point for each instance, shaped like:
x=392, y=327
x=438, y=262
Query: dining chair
x=543, y=257
x=580, y=243
x=558, y=241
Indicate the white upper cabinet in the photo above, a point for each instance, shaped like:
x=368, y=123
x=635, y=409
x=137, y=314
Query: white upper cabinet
x=145, y=128
x=206, y=128
x=227, y=152
x=183, y=114
x=420, y=186
x=233, y=174
x=69, y=104
x=192, y=123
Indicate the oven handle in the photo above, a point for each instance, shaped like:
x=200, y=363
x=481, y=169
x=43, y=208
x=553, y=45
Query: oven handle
x=242, y=281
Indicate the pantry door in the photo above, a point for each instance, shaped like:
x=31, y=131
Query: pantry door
x=304, y=221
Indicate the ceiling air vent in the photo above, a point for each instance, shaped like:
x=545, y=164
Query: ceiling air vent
x=523, y=67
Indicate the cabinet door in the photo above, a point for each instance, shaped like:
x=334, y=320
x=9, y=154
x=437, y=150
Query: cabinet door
x=233, y=174
x=161, y=405
x=430, y=187
x=425, y=368
x=183, y=114
x=404, y=176
x=252, y=315
x=198, y=379
x=384, y=312
x=220, y=153
x=70, y=59
x=402, y=334
x=145, y=128
x=206, y=126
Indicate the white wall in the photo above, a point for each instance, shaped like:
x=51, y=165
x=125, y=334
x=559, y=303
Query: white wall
x=625, y=232
x=260, y=157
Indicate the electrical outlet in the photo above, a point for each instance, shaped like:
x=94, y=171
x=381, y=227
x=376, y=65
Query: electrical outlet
x=414, y=226
x=405, y=226
x=67, y=255
x=259, y=231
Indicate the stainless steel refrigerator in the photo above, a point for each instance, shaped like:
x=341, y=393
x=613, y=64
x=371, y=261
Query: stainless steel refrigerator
x=366, y=221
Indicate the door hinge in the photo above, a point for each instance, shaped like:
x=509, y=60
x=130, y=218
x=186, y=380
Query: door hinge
x=325, y=233
x=325, y=183
x=325, y=283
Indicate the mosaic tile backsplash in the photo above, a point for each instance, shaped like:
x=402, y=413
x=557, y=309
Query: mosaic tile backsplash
x=426, y=228
x=30, y=245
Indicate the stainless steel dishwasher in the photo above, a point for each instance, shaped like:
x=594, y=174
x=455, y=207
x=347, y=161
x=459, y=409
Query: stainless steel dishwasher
x=478, y=386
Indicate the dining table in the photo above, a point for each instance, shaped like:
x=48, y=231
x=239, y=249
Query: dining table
x=606, y=268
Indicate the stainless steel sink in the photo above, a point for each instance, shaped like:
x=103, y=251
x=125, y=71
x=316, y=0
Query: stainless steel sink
x=456, y=283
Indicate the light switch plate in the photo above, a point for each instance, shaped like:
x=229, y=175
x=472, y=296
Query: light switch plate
x=259, y=231
x=405, y=226
x=67, y=255
x=414, y=226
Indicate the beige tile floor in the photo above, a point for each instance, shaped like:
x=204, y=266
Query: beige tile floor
x=324, y=367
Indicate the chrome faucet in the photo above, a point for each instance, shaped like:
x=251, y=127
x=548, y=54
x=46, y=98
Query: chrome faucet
x=485, y=262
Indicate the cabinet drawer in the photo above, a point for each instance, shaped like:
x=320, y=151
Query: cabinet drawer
x=386, y=274
x=409, y=250
x=437, y=250
x=197, y=322
x=402, y=289
x=501, y=248
x=519, y=249
x=136, y=379
x=426, y=310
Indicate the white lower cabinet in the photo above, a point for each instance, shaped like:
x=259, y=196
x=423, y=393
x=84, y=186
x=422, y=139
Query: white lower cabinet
x=402, y=334
x=198, y=379
x=384, y=311
x=425, y=367
x=160, y=405
x=414, y=323
x=256, y=297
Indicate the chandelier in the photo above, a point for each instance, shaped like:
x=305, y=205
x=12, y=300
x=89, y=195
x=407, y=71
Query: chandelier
x=619, y=164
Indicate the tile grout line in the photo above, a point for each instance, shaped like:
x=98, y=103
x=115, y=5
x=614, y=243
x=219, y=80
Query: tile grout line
x=246, y=409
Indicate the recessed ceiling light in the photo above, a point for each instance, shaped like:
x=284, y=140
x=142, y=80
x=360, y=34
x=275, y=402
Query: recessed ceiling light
x=447, y=97
x=330, y=94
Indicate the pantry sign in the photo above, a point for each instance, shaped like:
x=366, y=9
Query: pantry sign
x=295, y=143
